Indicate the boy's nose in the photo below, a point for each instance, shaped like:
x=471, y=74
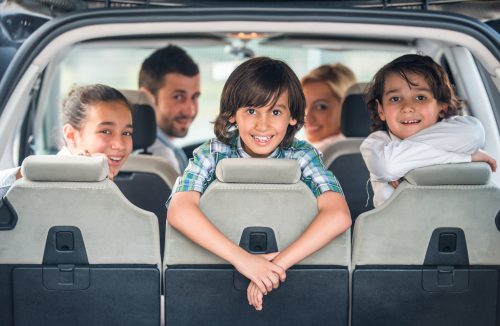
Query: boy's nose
x=261, y=123
x=407, y=106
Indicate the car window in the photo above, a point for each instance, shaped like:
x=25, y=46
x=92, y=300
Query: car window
x=119, y=67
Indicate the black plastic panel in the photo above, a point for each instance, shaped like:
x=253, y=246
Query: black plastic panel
x=149, y=192
x=395, y=296
x=353, y=176
x=116, y=295
x=8, y=215
x=447, y=246
x=310, y=296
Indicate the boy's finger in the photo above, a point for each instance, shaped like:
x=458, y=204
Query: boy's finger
x=260, y=285
x=274, y=279
x=279, y=270
x=271, y=255
x=268, y=283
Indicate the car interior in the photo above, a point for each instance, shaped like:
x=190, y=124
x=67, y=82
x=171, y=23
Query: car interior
x=79, y=248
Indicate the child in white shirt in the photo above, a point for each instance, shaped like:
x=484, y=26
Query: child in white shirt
x=417, y=121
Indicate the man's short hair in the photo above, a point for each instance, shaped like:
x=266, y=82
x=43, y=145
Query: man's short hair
x=170, y=59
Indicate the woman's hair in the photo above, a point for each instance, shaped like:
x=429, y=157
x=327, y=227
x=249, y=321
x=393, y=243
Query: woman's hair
x=422, y=65
x=79, y=99
x=256, y=83
x=337, y=77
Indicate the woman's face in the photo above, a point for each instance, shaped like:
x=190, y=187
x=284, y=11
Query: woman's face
x=322, y=112
x=106, y=131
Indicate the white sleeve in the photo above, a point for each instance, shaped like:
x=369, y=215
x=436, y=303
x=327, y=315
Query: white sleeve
x=381, y=192
x=388, y=160
x=7, y=178
x=458, y=134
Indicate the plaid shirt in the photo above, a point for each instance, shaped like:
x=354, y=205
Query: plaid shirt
x=200, y=171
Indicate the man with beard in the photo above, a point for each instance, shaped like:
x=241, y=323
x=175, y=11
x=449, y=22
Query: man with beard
x=171, y=79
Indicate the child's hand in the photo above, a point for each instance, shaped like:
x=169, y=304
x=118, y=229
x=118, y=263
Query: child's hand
x=482, y=156
x=258, y=269
x=254, y=296
x=394, y=183
x=111, y=170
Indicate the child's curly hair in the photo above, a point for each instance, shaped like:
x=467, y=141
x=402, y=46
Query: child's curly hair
x=422, y=65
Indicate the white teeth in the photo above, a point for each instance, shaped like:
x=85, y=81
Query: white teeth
x=262, y=138
x=115, y=158
x=410, y=121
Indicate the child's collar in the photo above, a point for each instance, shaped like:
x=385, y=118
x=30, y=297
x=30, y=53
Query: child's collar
x=394, y=137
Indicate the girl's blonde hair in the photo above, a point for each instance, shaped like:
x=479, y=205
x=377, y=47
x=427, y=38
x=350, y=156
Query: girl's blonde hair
x=337, y=76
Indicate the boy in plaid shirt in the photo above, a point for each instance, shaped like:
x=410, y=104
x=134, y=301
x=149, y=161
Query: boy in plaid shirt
x=262, y=108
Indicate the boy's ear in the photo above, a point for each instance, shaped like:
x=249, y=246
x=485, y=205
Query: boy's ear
x=292, y=122
x=70, y=136
x=232, y=120
x=444, y=109
x=380, y=111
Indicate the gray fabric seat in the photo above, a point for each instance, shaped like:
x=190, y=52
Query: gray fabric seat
x=74, y=247
x=344, y=158
x=430, y=248
x=253, y=202
x=144, y=179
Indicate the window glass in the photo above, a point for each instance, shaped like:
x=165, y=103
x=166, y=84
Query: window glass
x=119, y=67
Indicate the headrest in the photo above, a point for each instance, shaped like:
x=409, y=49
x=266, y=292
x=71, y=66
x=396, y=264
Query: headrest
x=354, y=116
x=258, y=170
x=136, y=97
x=59, y=168
x=476, y=173
x=144, y=122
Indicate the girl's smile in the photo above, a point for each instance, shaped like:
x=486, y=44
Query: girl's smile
x=106, y=131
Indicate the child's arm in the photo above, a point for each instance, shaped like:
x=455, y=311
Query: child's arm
x=185, y=215
x=458, y=134
x=450, y=141
x=7, y=178
x=332, y=220
x=482, y=156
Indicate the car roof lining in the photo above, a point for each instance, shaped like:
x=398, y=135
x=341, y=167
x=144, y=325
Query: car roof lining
x=325, y=29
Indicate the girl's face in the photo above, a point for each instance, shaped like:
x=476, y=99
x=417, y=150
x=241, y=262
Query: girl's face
x=262, y=129
x=107, y=131
x=408, y=109
x=322, y=112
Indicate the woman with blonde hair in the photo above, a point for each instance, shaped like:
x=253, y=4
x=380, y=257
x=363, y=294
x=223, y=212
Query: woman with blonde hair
x=324, y=89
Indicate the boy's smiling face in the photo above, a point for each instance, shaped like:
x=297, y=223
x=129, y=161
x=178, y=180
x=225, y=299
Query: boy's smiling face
x=263, y=129
x=408, y=109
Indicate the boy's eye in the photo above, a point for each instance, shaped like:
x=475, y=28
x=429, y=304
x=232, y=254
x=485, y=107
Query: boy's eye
x=421, y=98
x=106, y=132
x=127, y=133
x=276, y=112
x=251, y=111
x=394, y=99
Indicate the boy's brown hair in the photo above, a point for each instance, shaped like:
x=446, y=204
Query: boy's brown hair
x=422, y=65
x=256, y=83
